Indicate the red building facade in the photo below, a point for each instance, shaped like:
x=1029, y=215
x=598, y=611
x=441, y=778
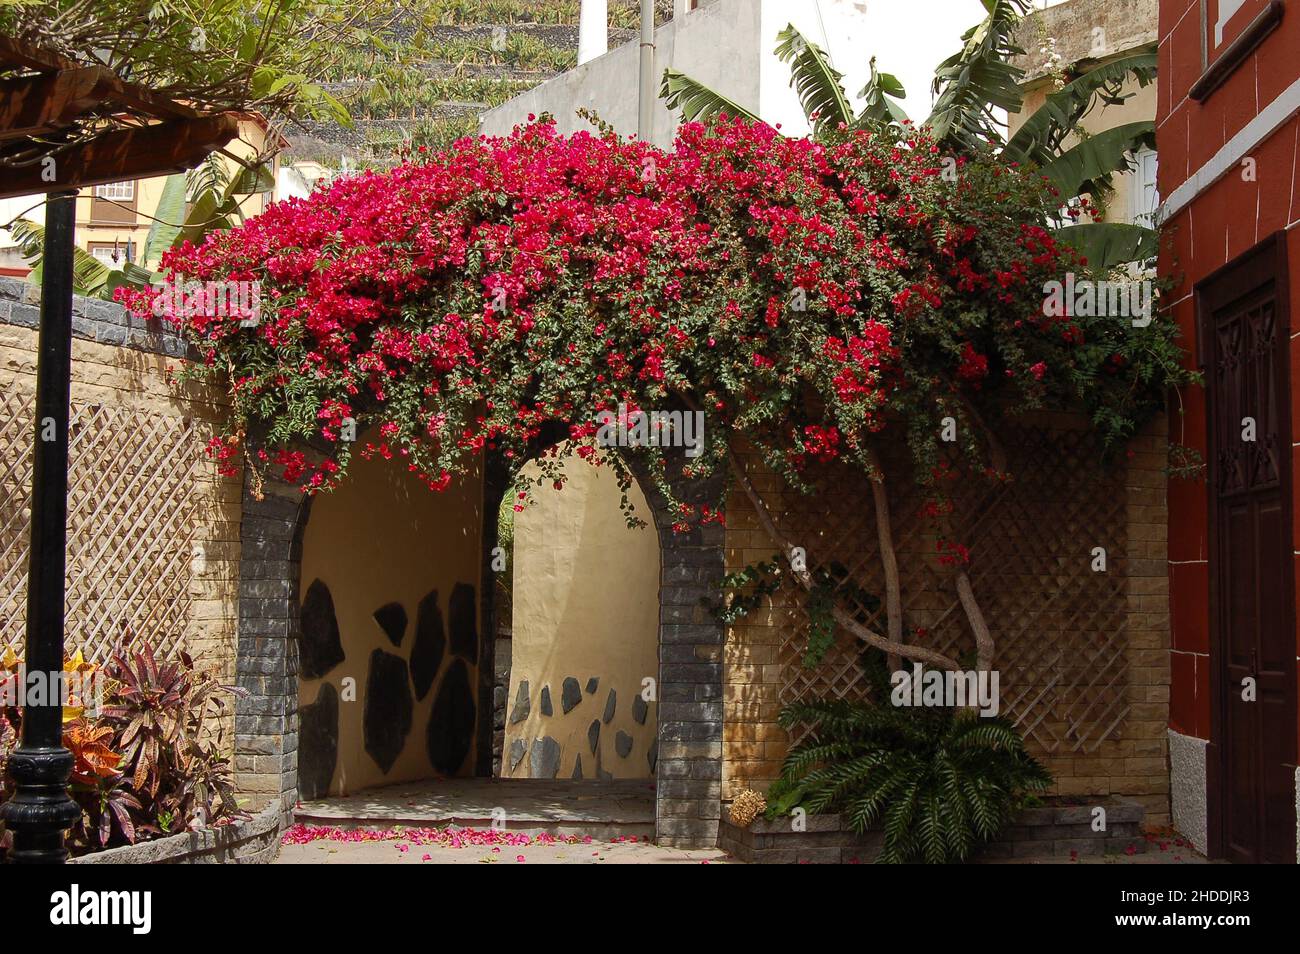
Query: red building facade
x=1229, y=146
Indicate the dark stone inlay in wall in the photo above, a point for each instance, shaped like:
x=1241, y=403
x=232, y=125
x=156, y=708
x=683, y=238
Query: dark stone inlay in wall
x=272, y=534
x=546, y=701
x=430, y=645
x=622, y=744
x=592, y=684
x=544, y=759
x=570, y=694
x=523, y=705
x=450, y=734
x=639, y=709
x=318, y=743
x=593, y=735
x=320, y=650
x=387, y=717
x=516, y=753
x=577, y=769
x=610, y=704
x=652, y=757
x=462, y=621
x=391, y=618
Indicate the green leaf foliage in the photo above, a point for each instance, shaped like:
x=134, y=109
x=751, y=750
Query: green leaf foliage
x=937, y=781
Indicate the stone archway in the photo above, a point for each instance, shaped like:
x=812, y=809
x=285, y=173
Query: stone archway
x=689, y=766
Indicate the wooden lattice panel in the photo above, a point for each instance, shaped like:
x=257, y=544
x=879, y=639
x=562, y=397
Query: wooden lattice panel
x=131, y=524
x=1059, y=627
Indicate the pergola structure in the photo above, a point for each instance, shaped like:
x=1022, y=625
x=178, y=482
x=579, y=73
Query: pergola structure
x=63, y=126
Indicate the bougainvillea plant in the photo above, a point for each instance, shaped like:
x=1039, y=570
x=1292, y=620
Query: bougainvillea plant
x=805, y=296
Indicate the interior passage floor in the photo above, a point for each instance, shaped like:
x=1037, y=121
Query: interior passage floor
x=623, y=807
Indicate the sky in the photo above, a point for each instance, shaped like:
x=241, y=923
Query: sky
x=909, y=38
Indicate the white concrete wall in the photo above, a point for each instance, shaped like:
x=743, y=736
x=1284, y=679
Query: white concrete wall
x=717, y=44
x=728, y=45
x=1187, y=788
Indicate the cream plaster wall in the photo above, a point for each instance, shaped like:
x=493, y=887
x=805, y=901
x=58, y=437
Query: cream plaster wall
x=381, y=537
x=1140, y=106
x=586, y=604
x=1090, y=33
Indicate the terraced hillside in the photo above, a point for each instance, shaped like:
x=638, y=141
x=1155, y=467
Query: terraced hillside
x=428, y=79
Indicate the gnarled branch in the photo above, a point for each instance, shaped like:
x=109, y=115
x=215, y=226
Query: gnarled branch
x=920, y=654
x=888, y=555
x=984, y=647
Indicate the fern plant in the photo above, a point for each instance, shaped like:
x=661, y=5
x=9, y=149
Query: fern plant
x=939, y=781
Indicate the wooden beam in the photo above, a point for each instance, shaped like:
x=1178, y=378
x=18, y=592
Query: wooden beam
x=128, y=96
x=160, y=149
x=31, y=105
x=17, y=54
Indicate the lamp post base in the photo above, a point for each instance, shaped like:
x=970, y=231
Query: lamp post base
x=41, y=810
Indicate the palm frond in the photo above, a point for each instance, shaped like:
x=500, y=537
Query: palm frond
x=215, y=200
x=167, y=219
x=89, y=274
x=978, y=79
x=938, y=781
x=817, y=83
x=1111, y=244
x=879, y=98
x=696, y=101
x=1087, y=166
x=1039, y=139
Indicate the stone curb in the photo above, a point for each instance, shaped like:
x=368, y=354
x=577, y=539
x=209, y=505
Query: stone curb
x=254, y=840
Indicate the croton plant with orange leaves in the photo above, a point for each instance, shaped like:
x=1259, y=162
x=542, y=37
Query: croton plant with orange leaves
x=147, y=762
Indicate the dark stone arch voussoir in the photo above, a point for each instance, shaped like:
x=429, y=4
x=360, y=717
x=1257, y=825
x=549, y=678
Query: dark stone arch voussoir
x=269, y=630
x=687, y=752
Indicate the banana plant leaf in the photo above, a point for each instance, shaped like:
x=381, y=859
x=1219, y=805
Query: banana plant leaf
x=696, y=101
x=818, y=84
x=1111, y=244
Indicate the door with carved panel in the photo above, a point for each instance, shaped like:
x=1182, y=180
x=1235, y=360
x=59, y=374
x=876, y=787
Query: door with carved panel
x=1244, y=331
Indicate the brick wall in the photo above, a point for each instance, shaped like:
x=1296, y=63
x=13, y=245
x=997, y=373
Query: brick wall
x=1125, y=748
x=121, y=363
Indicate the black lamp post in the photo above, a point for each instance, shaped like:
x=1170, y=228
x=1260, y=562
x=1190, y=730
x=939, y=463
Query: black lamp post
x=41, y=809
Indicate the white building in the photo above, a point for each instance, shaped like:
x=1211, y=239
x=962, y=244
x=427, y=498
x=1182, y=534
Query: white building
x=728, y=45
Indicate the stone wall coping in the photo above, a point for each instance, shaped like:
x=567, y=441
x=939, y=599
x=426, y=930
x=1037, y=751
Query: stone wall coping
x=93, y=319
x=215, y=844
x=1119, y=809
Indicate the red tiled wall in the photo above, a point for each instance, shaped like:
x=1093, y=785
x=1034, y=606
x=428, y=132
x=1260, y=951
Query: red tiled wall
x=1228, y=219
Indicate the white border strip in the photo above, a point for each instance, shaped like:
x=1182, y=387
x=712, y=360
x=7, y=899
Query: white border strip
x=1265, y=123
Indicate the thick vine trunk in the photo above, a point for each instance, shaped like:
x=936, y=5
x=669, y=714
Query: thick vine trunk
x=984, y=647
x=888, y=557
x=892, y=646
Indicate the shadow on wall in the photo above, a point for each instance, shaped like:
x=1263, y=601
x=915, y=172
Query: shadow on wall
x=390, y=631
x=584, y=652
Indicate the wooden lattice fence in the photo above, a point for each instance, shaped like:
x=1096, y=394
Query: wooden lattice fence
x=131, y=524
x=1060, y=626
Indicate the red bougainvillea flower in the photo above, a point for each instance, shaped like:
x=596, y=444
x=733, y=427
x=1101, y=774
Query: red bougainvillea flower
x=802, y=293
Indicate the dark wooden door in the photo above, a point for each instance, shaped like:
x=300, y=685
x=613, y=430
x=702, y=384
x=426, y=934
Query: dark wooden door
x=1242, y=311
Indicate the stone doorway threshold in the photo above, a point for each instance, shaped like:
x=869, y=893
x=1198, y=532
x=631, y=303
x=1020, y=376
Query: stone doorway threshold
x=601, y=809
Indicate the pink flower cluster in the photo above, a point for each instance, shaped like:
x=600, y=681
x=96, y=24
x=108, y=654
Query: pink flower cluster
x=450, y=837
x=792, y=288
